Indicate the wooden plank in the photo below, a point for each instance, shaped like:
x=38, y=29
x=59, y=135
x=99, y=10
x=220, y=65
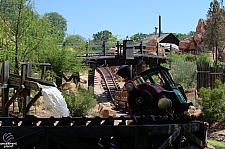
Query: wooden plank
x=28, y=138
x=32, y=85
x=68, y=142
x=14, y=81
x=170, y=140
x=42, y=82
x=194, y=139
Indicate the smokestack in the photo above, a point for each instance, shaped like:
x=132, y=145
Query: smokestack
x=156, y=30
x=159, y=25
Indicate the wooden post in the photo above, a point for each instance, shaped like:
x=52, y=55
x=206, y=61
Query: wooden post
x=157, y=49
x=118, y=47
x=91, y=75
x=27, y=91
x=86, y=49
x=141, y=48
x=104, y=48
x=5, y=89
x=43, y=73
x=26, y=72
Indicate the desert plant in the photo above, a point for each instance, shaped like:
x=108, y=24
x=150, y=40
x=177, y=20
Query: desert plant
x=81, y=102
x=213, y=101
x=184, y=73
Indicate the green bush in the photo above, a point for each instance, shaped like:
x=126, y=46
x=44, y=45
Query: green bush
x=213, y=103
x=81, y=102
x=184, y=73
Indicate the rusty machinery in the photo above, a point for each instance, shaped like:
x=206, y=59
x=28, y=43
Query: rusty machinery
x=152, y=92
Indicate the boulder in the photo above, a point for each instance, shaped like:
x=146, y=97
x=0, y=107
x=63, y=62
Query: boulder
x=105, y=111
x=201, y=26
x=152, y=42
x=192, y=44
x=184, y=45
x=198, y=38
x=69, y=86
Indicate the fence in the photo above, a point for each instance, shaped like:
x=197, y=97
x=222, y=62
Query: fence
x=206, y=75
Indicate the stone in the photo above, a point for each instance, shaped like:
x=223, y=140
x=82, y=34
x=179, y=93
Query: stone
x=105, y=111
x=201, y=26
x=151, y=45
x=184, y=45
x=198, y=38
x=190, y=43
x=69, y=86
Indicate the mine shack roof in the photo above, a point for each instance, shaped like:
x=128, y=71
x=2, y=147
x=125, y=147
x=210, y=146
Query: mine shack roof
x=163, y=38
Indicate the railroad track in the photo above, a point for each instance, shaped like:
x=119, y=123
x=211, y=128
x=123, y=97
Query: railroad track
x=109, y=83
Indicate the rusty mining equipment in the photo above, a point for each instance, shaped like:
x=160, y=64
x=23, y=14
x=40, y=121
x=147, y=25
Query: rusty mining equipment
x=152, y=92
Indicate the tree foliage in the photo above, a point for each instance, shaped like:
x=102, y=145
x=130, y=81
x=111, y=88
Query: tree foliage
x=102, y=36
x=24, y=34
x=183, y=67
x=215, y=27
x=81, y=103
x=213, y=101
x=182, y=36
x=58, y=24
x=138, y=37
x=75, y=40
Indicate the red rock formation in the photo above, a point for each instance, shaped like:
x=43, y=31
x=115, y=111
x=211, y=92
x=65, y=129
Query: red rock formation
x=190, y=43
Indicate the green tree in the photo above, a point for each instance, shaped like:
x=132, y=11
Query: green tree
x=59, y=24
x=74, y=40
x=215, y=28
x=64, y=60
x=138, y=37
x=102, y=36
x=181, y=36
x=24, y=34
x=191, y=33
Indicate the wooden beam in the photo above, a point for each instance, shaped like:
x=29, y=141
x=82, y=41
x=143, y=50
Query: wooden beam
x=20, y=89
x=170, y=140
x=194, y=139
x=68, y=142
x=33, y=100
x=5, y=89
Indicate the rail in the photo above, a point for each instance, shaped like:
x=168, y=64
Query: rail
x=113, y=79
x=104, y=78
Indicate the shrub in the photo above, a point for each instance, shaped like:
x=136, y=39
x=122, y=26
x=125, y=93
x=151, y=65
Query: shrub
x=213, y=103
x=81, y=102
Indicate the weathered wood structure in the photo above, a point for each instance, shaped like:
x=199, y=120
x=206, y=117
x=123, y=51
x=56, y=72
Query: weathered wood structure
x=125, y=53
x=23, y=84
x=101, y=133
x=206, y=75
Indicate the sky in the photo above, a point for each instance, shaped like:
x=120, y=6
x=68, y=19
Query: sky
x=126, y=17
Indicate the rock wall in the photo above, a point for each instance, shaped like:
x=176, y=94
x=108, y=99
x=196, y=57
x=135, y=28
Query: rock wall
x=190, y=43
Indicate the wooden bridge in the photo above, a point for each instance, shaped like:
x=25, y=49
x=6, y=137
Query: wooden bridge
x=127, y=53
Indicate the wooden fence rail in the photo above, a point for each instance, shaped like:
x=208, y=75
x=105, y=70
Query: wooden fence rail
x=206, y=75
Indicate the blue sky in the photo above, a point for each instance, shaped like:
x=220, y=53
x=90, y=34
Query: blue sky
x=126, y=17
